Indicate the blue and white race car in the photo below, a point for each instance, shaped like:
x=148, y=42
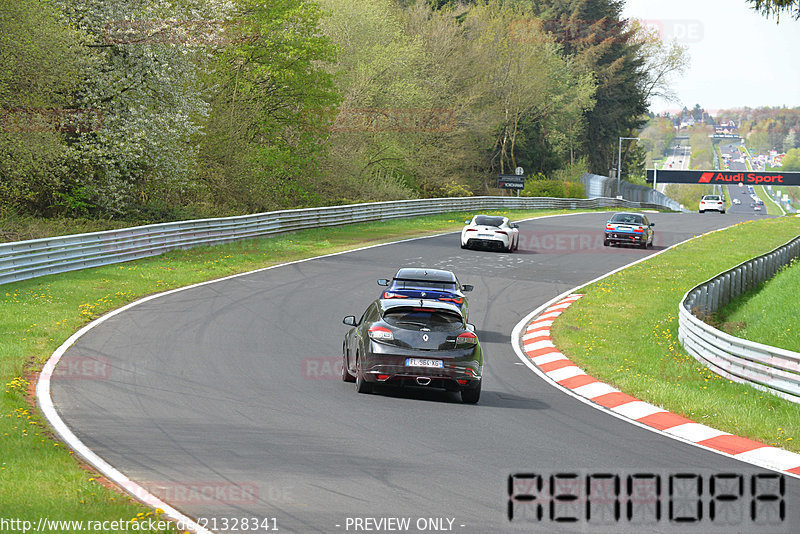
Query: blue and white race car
x=429, y=284
x=629, y=228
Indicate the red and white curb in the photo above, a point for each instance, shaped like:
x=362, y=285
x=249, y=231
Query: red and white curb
x=551, y=363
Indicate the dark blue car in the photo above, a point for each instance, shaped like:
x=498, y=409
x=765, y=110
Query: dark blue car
x=430, y=284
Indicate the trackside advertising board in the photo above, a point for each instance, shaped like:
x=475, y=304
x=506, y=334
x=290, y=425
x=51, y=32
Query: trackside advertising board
x=726, y=177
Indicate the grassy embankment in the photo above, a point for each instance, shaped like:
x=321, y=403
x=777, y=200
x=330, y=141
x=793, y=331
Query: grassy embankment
x=648, y=362
x=768, y=315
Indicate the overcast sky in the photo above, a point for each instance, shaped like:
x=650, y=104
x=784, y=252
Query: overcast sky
x=737, y=57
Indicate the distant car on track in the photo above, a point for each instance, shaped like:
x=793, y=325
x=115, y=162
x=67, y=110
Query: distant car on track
x=413, y=342
x=712, y=203
x=629, y=228
x=756, y=208
x=490, y=231
x=737, y=201
x=430, y=284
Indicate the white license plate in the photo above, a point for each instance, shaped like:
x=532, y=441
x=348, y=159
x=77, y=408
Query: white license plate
x=486, y=236
x=423, y=362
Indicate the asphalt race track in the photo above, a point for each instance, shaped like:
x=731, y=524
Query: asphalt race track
x=225, y=401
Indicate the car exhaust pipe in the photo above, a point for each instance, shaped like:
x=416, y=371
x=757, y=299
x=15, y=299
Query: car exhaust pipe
x=423, y=380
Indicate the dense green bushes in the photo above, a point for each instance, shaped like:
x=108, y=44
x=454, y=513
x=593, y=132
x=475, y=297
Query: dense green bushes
x=147, y=110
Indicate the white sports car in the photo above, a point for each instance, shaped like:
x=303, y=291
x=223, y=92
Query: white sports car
x=490, y=231
x=712, y=203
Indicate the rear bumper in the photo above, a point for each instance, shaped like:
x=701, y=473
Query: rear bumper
x=487, y=243
x=454, y=375
x=622, y=237
x=720, y=209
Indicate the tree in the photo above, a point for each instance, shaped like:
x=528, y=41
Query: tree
x=604, y=47
x=661, y=63
x=147, y=88
x=265, y=133
x=791, y=162
x=769, y=8
x=42, y=62
x=792, y=140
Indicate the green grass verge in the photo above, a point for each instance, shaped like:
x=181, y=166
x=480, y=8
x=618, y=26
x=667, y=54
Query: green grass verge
x=625, y=332
x=38, y=476
x=769, y=203
x=768, y=315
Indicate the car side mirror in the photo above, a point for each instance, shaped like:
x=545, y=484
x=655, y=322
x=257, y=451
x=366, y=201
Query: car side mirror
x=383, y=282
x=652, y=224
x=470, y=327
x=350, y=320
x=467, y=287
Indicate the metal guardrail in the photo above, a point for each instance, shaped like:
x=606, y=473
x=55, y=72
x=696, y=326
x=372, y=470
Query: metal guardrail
x=762, y=366
x=22, y=260
x=603, y=186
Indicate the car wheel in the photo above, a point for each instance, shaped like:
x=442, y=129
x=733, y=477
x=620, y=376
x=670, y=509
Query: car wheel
x=701, y=211
x=643, y=244
x=471, y=395
x=346, y=376
x=606, y=242
x=510, y=247
x=362, y=386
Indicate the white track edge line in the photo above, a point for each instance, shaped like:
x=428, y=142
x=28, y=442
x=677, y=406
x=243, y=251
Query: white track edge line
x=516, y=345
x=45, y=401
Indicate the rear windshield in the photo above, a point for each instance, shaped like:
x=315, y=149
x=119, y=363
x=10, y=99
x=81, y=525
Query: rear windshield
x=486, y=220
x=436, y=320
x=627, y=218
x=424, y=284
x=711, y=197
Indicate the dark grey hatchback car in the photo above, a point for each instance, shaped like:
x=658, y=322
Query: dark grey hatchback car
x=413, y=342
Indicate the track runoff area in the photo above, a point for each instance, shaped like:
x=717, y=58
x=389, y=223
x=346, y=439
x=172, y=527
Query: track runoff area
x=724, y=177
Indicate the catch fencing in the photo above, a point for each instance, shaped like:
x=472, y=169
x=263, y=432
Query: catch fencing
x=603, y=186
x=39, y=257
x=767, y=368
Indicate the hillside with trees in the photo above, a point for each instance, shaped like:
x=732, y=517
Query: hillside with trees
x=145, y=110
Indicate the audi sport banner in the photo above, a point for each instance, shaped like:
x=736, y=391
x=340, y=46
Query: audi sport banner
x=726, y=177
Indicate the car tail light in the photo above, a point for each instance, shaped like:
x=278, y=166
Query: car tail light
x=381, y=333
x=383, y=377
x=467, y=338
x=457, y=301
x=472, y=229
x=462, y=381
x=501, y=232
x=390, y=295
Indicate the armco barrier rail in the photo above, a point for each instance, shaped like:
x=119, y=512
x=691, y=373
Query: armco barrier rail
x=767, y=368
x=28, y=259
